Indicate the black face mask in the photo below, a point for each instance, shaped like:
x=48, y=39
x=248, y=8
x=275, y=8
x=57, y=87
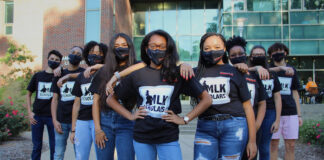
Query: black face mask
x=155, y=55
x=241, y=59
x=210, y=56
x=120, y=52
x=74, y=59
x=53, y=64
x=278, y=56
x=259, y=61
x=95, y=59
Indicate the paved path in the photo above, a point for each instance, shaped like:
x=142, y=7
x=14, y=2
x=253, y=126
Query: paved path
x=186, y=139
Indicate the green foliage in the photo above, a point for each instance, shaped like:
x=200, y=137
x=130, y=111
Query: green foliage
x=312, y=133
x=12, y=122
x=16, y=57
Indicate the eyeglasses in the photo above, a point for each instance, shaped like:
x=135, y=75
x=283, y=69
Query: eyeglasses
x=154, y=47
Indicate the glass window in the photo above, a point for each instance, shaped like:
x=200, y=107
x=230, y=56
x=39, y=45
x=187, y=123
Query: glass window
x=307, y=32
x=304, y=47
x=137, y=45
x=295, y=4
x=227, y=18
x=92, y=4
x=319, y=79
x=238, y=5
x=321, y=49
x=285, y=32
x=140, y=18
x=8, y=30
x=197, y=17
x=263, y=32
x=170, y=17
x=92, y=26
x=227, y=32
x=92, y=20
x=9, y=12
x=321, y=17
x=211, y=19
x=313, y=4
x=195, y=41
x=285, y=18
x=156, y=16
x=185, y=47
x=270, y=18
x=249, y=18
x=184, y=20
x=303, y=18
x=263, y=5
x=284, y=5
x=227, y=5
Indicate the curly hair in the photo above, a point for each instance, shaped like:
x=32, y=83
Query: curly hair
x=90, y=46
x=235, y=41
x=276, y=47
x=169, y=66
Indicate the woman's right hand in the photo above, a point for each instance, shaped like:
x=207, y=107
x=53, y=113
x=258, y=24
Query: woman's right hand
x=58, y=127
x=62, y=80
x=139, y=114
x=110, y=85
x=263, y=73
x=251, y=150
x=31, y=118
x=101, y=139
x=72, y=135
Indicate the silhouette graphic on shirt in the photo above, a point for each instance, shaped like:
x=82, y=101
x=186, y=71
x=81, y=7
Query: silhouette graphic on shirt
x=148, y=98
x=205, y=85
x=67, y=89
x=87, y=92
x=44, y=89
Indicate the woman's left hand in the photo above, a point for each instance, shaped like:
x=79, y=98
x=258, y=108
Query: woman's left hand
x=62, y=80
x=186, y=71
x=251, y=150
x=174, y=118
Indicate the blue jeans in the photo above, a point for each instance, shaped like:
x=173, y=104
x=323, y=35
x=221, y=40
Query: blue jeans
x=264, y=134
x=84, y=136
x=165, y=151
x=220, y=139
x=37, y=136
x=61, y=141
x=119, y=132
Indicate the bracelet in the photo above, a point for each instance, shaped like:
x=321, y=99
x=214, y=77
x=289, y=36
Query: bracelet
x=72, y=131
x=117, y=75
x=299, y=116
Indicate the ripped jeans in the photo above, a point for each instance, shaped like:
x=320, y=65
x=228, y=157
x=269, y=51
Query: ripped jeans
x=223, y=140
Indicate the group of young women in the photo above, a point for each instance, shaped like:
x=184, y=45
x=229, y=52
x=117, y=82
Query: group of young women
x=133, y=106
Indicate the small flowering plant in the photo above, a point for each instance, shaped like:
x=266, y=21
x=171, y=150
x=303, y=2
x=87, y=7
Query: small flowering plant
x=312, y=132
x=12, y=121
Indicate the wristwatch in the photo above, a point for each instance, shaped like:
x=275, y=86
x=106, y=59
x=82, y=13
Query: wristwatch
x=117, y=75
x=186, y=119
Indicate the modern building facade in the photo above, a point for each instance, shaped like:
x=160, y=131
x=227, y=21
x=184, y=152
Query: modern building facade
x=62, y=24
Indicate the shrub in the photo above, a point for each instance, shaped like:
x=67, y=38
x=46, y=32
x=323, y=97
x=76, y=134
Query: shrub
x=12, y=122
x=312, y=132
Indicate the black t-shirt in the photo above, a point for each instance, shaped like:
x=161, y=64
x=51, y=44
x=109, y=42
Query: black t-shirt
x=81, y=89
x=228, y=89
x=157, y=97
x=271, y=86
x=41, y=82
x=65, y=97
x=96, y=88
x=256, y=89
x=288, y=84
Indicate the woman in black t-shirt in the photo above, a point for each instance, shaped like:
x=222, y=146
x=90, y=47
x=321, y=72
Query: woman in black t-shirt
x=223, y=129
x=236, y=47
x=272, y=86
x=82, y=124
x=111, y=129
x=156, y=88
